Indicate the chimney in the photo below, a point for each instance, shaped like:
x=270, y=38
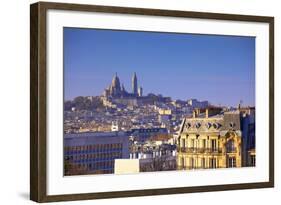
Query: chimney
x=239, y=106
x=207, y=113
x=197, y=111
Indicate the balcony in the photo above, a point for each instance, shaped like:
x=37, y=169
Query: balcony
x=196, y=150
x=190, y=167
x=232, y=150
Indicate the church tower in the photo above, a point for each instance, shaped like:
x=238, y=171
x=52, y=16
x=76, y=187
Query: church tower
x=135, y=84
x=115, y=86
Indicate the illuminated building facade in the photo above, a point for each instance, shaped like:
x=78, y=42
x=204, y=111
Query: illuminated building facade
x=214, y=139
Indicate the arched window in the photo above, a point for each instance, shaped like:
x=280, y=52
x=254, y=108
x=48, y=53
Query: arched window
x=230, y=147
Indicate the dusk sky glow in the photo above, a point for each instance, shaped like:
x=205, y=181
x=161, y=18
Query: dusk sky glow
x=220, y=69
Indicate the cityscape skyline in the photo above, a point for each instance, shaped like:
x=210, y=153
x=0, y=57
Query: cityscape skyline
x=198, y=66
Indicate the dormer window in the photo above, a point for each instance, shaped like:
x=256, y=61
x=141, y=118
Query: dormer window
x=208, y=125
x=216, y=125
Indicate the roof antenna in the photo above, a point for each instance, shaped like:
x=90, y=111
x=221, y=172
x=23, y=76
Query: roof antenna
x=240, y=104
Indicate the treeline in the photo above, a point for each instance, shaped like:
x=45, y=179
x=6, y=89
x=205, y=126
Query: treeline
x=83, y=103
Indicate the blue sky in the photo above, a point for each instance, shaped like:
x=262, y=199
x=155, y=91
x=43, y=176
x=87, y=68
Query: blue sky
x=220, y=69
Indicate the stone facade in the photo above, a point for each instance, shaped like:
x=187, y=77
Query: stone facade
x=116, y=90
x=212, y=140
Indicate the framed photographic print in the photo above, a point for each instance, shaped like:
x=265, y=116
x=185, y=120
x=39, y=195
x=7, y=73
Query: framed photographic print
x=135, y=102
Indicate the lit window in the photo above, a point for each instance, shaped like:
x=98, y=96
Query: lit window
x=213, y=163
x=203, y=163
x=213, y=145
x=231, y=162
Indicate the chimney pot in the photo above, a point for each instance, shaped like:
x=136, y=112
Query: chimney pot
x=194, y=114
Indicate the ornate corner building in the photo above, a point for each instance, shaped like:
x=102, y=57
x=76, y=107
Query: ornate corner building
x=217, y=139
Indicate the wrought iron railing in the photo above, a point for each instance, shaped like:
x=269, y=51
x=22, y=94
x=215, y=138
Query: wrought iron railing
x=199, y=150
x=193, y=167
x=231, y=150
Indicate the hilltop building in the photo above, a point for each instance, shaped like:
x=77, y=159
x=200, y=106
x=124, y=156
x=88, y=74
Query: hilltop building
x=194, y=103
x=116, y=90
x=116, y=94
x=135, y=84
